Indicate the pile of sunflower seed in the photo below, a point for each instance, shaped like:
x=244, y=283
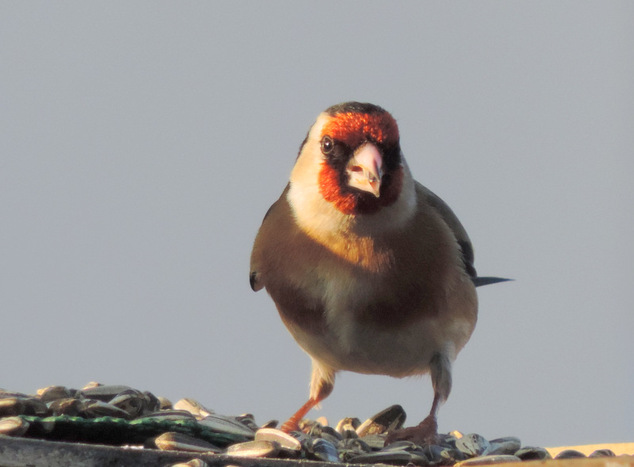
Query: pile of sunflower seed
x=121, y=415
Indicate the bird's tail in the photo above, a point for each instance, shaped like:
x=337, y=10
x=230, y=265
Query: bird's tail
x=478, y=281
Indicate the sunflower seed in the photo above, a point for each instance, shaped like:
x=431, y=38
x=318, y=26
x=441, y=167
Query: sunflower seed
x=103, y=393
x=224, y=424
x=285, y=440
x=386, y=420
x=508, y=445
x=324, y=450
x=569, y=454
x=194, y=407
x=13, y=426
x=69, y=406
x=131, y=401
x=53, y=393
x=181, y=442
x=254, y=449
x=97, y=408
x=348, y=424
x=602, y=453
x=473, y=445
x=530, y=453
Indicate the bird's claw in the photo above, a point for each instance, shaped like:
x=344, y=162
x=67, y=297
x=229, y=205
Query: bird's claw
x=426, y=432
x=289, y=425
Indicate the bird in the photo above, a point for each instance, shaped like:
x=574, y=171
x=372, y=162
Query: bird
x=370, y=271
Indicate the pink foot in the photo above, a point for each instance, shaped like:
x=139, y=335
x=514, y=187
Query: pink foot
x=426, y=432
x=289, y=425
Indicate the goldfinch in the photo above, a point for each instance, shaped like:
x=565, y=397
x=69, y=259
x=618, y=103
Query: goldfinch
x=370, y=271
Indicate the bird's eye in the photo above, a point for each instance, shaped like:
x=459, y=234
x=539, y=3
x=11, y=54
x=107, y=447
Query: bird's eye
x=327, y=145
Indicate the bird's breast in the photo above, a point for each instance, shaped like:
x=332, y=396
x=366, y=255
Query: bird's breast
x=371, y=304
x=372, y=322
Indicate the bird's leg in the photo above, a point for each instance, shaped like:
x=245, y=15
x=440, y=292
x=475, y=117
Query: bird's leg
x=426, y=432
x=321, y=384
x=292, y=424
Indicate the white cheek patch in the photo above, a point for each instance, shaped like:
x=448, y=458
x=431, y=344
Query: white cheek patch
x=313, y=213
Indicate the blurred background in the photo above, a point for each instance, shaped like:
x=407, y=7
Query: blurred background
x=142, y=142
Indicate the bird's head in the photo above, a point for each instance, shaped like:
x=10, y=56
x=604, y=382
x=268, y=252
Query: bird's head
x=353, y=157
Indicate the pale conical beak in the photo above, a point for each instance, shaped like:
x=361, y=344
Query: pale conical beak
x=365, y=169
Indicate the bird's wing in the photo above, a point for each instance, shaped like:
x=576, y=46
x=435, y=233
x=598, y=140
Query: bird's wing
x=454, y=224
x=461, y=236
x=254, y=274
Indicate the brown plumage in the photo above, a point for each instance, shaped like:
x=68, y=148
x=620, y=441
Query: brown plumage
x=370, y=271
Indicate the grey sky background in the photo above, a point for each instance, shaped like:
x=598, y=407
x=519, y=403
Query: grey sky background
x=142, y=142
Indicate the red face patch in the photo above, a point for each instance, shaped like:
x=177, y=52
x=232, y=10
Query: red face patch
x=353, y=128
x=358, y=203
x=331, y=191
